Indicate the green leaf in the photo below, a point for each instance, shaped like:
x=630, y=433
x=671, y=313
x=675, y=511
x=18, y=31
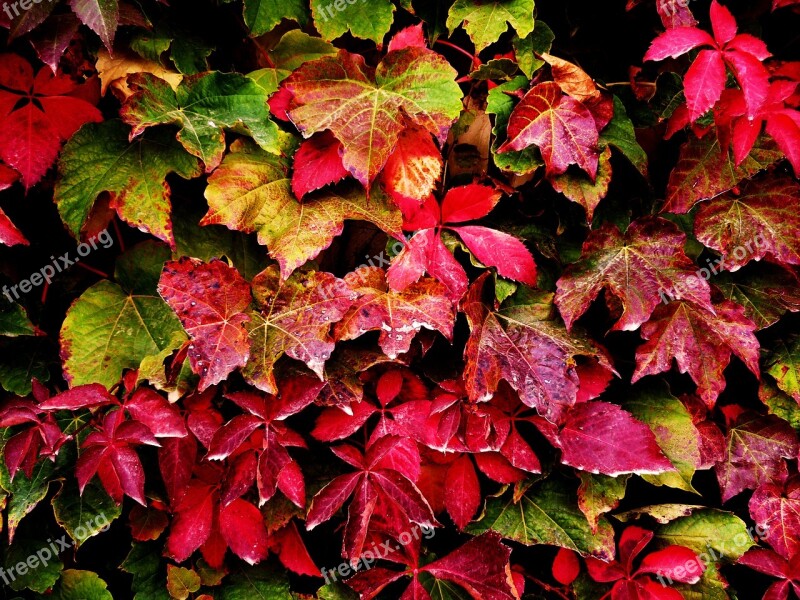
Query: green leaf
x=674, y=430
x=336, y=591
x=251, y=192
x=84, y=515
x=366, y=19
x=263, y=15
x=500, y=104
x=783, y=363
x=22, y=361
x=25, y=494
x=256, y=584
x=599, y=494
x=540, y=41
x=113, y=327
x=182, y=582
x=486, y=20
x=99, y=159
x=547, y=514
x=81, y=585
x=14, y=321
x=661, y=513
x=619, y=133
x=723, y=532
x=779, y=403
x=296, y=48
x=35, y=566
x=202, y=107
x=711, y=586
x=143, y=562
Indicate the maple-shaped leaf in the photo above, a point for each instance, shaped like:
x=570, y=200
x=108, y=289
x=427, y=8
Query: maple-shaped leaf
x=210, y=299
x=116, y=326
x=37, y=114
x=42, y=438
x=317, y=163
x=787, y=571
x=275, y=467
x=775, y=508
x=705, y=169
x=684, y=332
x=262, y=16
x=109, y=452
x=294, y=319
x=370, y=24
x=399, y=316
x=677, y=563
x=705, y=80
x=766, y=293
x=101, y=16
x=758, y=223
x=524, y=345
x=363, y=106
x=99, y=159
x=547, y=513
x=371, y=483
x=756, y=449
x=202, y=106
x=635, y=267
x=426, y=251
x=486, y=21
x=561, y=127
x=251, y=192
x=590, y=440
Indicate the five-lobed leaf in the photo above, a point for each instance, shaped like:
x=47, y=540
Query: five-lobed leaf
x=486, y=20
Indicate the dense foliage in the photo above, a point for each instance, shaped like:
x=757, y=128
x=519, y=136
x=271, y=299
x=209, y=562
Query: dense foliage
x=399, y=299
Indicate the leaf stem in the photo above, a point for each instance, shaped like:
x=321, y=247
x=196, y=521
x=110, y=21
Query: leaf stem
x=476, y=62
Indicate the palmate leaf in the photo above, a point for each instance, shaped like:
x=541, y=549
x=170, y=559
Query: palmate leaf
x=115, y=326
x=486, y=20
x=524, y=345
x=766, y=292
x=760, y=222
x=99, y=159
x=295, y=319
x=263, y=15
x=682, y=331
x=635, y=267
x=704, y=170
x=203, y=105
x=251, y=192
x=210, y=300
x=367, y=19
x=362, y=106
x=548, y=513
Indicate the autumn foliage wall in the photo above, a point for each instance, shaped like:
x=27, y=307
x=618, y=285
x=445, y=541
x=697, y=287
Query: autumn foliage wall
x=472, y=299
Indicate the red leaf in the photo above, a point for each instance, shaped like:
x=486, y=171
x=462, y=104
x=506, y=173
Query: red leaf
x=500, y=250
x=92, y=395
x=722, y=23
x=155, y=411
x=242, y=526
x=563, y=129
x=191, y=524
x=704, y=82
x=414, y=167
x=317, y=163
x=210, y=300
x=33, y=133
x=9, y=234
x=468, y=202
x=591, y=440
x=675, y=562
x=463, y=491
x=566, y=566
x=412, y=37
x=700, y=341
x=292, y=552
x=678, y=41
x=776, y=510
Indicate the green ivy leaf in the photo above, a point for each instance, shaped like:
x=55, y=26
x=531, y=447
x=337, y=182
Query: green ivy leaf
x=84, y=515
x=14, y=321
x=619, y=133
x=540, y=41
x=259, y=582
x=262, y=16
x=547, y=514
x=99, y=159
x=500, y=104
x=486, y=20
x=367, y=19
x=81, y=585
x=144, y=563
x=202, y=107
x=723, y=532
x=113, y=327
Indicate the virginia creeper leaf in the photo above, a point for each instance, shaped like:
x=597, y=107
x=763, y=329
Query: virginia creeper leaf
x=486, y=21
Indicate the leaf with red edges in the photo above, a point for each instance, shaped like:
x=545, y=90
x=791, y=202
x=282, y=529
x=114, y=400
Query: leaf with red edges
x=210, y=300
